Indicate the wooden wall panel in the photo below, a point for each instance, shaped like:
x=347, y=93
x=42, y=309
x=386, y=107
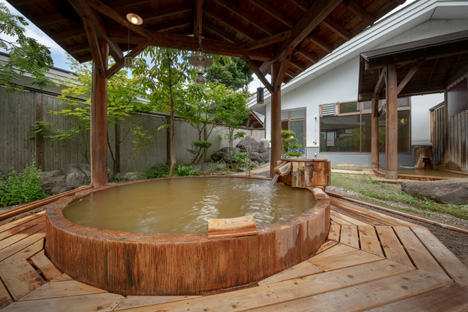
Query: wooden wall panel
x=18, y=146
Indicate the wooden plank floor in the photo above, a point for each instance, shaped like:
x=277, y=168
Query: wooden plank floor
x=370, y=262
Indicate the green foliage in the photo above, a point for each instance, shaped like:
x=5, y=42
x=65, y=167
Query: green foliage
x=289, y=144
x=123, y=98
x=142, y=138
x=198, y=149
x=243, y=162
x=18, y=188
x=165, y=79
x=232, y=72
x=159, y=170
x=26, y=54
x=183, y=171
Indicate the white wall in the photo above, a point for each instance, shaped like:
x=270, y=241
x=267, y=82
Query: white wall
x=340, y=84
x=421, y=119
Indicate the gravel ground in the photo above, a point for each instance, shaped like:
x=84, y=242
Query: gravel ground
x=455, y=241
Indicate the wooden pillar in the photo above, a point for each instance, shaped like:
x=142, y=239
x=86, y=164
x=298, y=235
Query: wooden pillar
x=275, y=120
x=391, y=151
x=99, y=122
x=40, y=141
x=375, y=133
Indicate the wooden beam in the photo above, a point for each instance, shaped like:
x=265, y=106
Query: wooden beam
x=69, y=34
x=408, y=77
x=99, y=25
x=251, y=20
x=273, y=12
x=231, y=24
x=267, y=41
x=257, y=72
x=275, y=121
x=301, y=4
x=45, y=20
x=173, y=26
x=99, y=123
x=198, y=23
x=434, y=67
x=308, y=22
x=307, y=55
x=391, y=152
x=119, y=18
x=297, y=65
x=220, y=33
x=98, y=58
x=357, y=9
x=278, y=80
x=162, y=14
x=337, y=29
x=120, y=63
x=380, y=83
x=321, y=43
x=375, y=133
x=175, y=41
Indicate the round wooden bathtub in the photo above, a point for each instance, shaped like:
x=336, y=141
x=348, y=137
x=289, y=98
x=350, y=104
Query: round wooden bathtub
x=180, y=264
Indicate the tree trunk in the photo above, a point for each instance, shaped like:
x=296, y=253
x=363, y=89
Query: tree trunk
x=173, y=158
x=117, y=147
x=168, y=141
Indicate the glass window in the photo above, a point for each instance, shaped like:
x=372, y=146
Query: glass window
x=352, y=107
x=294, y=120
x=340, y=133
x=353, y=132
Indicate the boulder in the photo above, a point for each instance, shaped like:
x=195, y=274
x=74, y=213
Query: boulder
x=249, y=143
x=131, y=176
x=223, y=154
x=260, y=157
x=70, y=177
x=454, y=191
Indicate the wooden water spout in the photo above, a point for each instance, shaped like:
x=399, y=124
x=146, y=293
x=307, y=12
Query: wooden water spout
x=304, y=173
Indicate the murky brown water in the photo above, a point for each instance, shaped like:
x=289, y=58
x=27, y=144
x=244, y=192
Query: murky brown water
x=184, y=205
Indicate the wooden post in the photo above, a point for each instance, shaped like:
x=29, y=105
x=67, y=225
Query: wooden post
x=275, y=120
x=375, y=133
x=40, y=141
x=99, y=122
x=391, y=153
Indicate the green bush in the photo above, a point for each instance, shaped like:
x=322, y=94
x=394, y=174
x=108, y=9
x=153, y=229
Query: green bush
x=183, y=171
x=17, y=188
x=159, y=170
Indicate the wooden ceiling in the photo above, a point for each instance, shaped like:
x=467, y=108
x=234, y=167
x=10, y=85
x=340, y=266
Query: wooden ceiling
x=297, y=33
x=423, y=66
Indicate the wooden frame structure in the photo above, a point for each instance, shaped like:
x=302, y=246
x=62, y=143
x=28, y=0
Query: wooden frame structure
x=281, y=38
x=420, y=67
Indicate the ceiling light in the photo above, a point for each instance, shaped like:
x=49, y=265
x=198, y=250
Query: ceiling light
x=134, y=19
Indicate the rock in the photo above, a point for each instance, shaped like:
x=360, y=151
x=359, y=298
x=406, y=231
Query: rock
x=70, y=177
x=454, y=191
x=223, y=154
x=260, y=157
x=249, y=143
x=131, y=176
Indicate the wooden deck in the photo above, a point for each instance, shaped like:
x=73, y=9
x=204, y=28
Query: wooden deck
x=370, y=262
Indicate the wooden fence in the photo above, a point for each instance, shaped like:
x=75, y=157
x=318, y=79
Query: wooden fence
x=20, y=146
x=449, y=138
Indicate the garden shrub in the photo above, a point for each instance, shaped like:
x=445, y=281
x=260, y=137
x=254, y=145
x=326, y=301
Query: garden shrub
x=183, y=171
x=21, y=187
x=158, y=170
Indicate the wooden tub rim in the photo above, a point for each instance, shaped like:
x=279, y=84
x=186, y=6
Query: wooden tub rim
x=54, y=214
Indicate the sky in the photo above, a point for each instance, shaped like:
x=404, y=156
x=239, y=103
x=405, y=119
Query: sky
x=60, y=56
